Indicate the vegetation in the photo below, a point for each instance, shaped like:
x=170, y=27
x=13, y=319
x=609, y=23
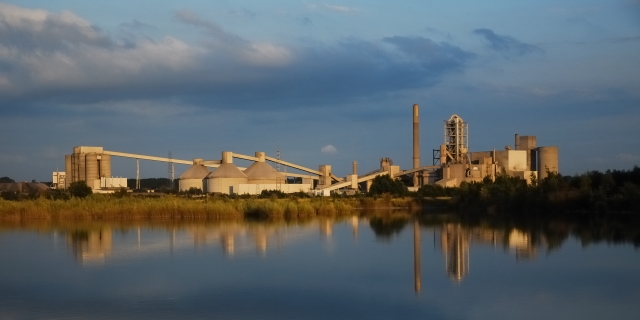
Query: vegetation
x=79, y=189
x=611, y=191
x=6, y=180
x=384, y=184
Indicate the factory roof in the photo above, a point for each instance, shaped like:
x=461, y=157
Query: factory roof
x=262, y=171
x=196, y=171
x=227, y=170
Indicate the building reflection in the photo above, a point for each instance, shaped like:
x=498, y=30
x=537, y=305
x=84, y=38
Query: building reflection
x=90, y=247
x=454, y=241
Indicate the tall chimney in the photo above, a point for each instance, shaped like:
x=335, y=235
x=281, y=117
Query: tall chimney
x=416, y=143
x=517, y=145
x=355, y=167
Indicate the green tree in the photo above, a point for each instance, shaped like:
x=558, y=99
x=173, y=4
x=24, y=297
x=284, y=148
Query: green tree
x=80, y=189
x=385, y=184
x=6, y=180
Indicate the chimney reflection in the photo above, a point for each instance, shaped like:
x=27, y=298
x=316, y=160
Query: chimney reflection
x=416, y=257
x=90, y=246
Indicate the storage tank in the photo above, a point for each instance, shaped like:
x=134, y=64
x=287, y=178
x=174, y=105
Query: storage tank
x=91, y=162
x=262, y=173
x=226, y=178
x=194, y=176
x=68, y=169
x=547, y=158
x=105, y=166
x=80, y=163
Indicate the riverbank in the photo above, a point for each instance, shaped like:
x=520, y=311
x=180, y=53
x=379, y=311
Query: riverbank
x=100, y=207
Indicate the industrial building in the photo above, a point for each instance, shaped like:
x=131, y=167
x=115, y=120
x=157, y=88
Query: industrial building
x=453, y=164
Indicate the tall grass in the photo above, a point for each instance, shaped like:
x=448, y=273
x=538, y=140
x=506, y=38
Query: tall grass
x=101, y=207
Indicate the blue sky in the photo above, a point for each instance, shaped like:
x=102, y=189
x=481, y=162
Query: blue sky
x=200, y=77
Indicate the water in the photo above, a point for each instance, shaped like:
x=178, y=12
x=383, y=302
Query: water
x=388, y=266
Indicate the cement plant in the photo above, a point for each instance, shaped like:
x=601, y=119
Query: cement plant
x=451, y=164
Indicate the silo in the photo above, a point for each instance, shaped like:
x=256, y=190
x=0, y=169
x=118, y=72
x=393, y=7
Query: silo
x=91, y=167
x=81, y=165
x=105, y=166
x=226, y=178
x=262, y=173
x=68, y=169
x=547, y=159
x=194, y=176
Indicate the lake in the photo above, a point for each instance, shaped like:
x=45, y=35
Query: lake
x=383, y=265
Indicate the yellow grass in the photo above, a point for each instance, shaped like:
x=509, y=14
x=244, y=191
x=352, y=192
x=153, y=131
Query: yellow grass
x=101, y=207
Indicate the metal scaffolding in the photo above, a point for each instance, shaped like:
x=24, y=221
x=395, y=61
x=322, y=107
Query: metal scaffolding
x=456, y=139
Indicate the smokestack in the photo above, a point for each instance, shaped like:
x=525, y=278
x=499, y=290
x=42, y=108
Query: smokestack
x=355, y=167
x=416, y=143
x=517, y=145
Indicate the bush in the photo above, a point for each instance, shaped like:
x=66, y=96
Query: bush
x=385, y=184
x=80, y=189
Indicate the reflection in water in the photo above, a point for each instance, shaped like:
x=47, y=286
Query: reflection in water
x=90, y=247
x=416, y=257
x=454, y=241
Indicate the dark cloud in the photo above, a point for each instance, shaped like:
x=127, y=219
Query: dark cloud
x=226, y=71
x=506, y=45
x=213, y=29
x=306, y=21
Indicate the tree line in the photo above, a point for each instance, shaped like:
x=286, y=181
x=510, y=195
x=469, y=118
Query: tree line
x=593, y=191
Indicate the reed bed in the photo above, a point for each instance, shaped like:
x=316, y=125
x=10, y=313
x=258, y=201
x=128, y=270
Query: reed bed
x=100, y=207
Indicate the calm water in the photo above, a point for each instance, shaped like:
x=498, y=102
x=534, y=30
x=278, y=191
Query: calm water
x=385, y=267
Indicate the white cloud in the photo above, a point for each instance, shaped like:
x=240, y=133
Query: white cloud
x=341, y=9
x=331, y=7
x=329, y=149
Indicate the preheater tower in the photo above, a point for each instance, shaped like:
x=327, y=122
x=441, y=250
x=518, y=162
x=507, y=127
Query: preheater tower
x=416, y=143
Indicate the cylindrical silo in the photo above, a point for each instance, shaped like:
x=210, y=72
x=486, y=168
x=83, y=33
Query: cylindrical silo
x=262, y=173
x=226, y=178
x=194, y=177
x=547, y=159
x=105, y=166
x=68, y=170
x=91, y=168
x=82, y=174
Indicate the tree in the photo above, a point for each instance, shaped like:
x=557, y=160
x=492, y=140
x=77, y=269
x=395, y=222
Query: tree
x=80, y=189
x=386, y=184
x=6, y=180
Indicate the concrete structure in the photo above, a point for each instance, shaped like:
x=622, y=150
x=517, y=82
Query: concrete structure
x=453, y=164
x=194, y=176
x=227, y=177
x=59, y=180
x=416, y=144
x=547, y=160
x=262, y=173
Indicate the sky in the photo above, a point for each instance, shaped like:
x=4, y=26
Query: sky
x=322, y=82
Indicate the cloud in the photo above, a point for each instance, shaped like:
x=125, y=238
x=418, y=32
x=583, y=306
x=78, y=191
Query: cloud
x=506, y=45
x=333, y=8
x=12, y=158
x=626, y=39
x=306, y=21
x=329, y=149
x=626, y=157
x=341, y=9
x=76, y=63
